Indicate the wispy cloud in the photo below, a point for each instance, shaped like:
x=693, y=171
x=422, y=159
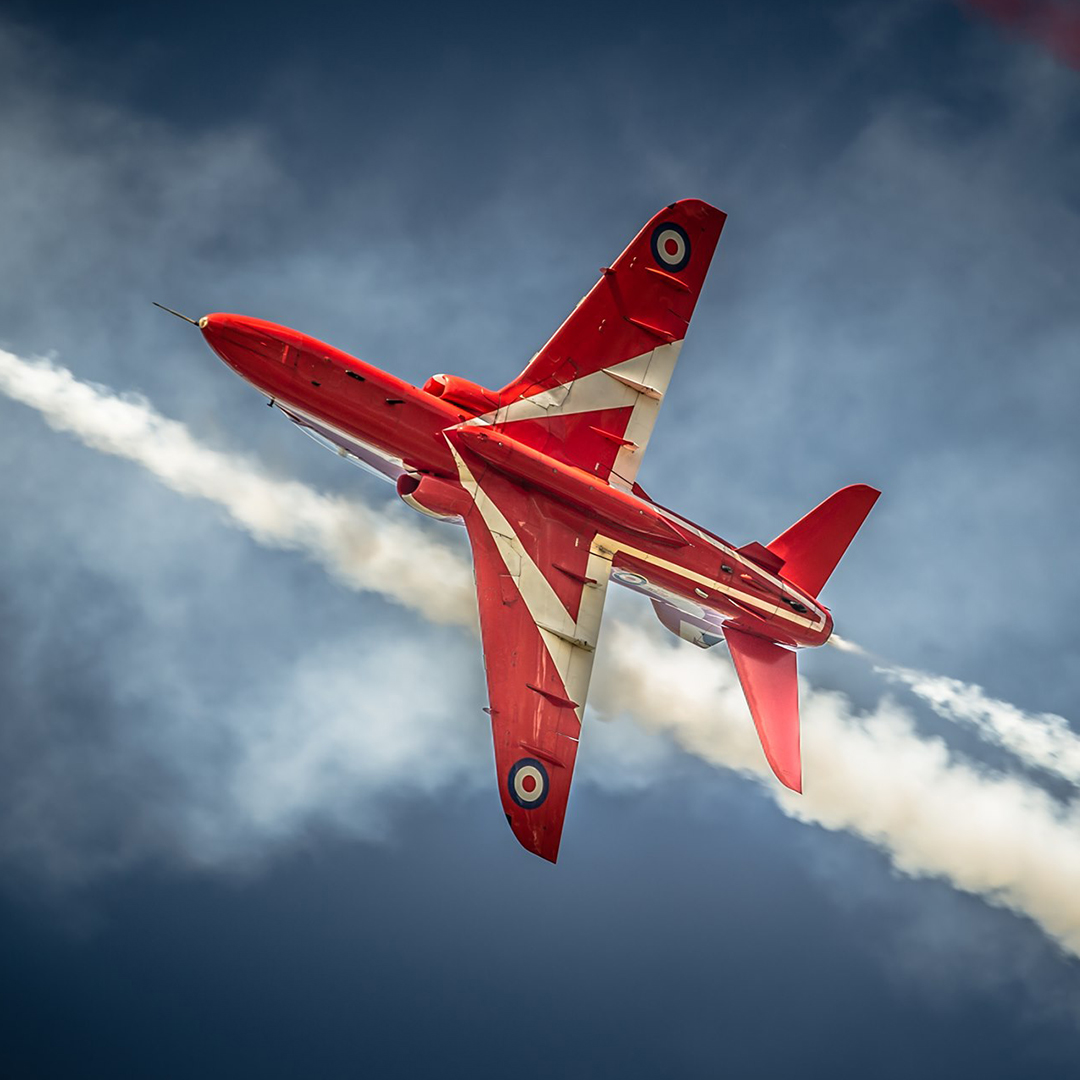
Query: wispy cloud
x=873, y=775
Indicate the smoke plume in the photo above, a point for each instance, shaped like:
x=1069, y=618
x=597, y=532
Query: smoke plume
x=361, y=548
x=1039, y=740
x=997, y=836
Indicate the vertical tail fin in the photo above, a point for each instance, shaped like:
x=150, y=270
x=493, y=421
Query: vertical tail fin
x=810, y=550
x=813, y=546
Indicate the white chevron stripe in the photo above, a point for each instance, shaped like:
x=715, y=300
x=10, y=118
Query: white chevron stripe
x=659, y=368
x=598, y=390
x=570, y=644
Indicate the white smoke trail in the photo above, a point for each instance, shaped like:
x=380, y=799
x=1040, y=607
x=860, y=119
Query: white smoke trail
x=1043, y=741
x=837, y=642
x=1039, y=740
x=998, y=837
x=360, y=547
x=1001, y=838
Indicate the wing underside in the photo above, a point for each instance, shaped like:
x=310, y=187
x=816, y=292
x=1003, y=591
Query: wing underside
x=590, y=396
x=541, y=596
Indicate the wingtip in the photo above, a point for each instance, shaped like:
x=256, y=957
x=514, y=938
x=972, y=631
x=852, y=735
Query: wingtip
x=790, y=777
x=538, y=841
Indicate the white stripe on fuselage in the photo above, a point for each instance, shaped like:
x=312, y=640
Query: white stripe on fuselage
x=599, y=390
x=637, y=368
x=606, y=546
x=736, y=556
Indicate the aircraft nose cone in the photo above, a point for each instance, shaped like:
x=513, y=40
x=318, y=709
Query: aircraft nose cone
x=213, y=323
x=251, y=347
x=229, y=339
x=211, y=327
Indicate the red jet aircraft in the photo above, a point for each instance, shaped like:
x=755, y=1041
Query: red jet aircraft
x=543, y=474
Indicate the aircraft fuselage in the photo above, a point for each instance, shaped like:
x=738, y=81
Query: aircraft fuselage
x=402, y=431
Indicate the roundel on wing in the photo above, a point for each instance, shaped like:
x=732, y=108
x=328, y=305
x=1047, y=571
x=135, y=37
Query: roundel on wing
x=528, y=783
x=670, y=246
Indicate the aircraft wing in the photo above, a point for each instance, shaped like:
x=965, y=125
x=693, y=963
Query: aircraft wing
x=541, y=592
x=591, y=395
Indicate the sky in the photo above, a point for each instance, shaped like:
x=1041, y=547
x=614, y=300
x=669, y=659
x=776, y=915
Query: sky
x=248, y=816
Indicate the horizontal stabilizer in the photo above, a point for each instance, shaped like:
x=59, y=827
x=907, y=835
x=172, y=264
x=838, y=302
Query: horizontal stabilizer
x=813, y=546
x=770, y=683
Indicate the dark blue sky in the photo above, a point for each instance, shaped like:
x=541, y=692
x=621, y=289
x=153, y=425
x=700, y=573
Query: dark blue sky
x=247, y=821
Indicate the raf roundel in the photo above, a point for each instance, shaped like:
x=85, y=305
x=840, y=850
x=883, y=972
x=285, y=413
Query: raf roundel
x=670, y=246
x=528, y=783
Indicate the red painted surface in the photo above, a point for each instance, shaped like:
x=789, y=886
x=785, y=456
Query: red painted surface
x=532, y=714
x=767, y=672
x=811, y=548
x=598, y=334
x=531, y=470
x=611, y=506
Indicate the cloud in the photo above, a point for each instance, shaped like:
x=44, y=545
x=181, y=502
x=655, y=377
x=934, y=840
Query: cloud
x=874, y=775
x=892, y=302
x=870, y=774
x=343, y=737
